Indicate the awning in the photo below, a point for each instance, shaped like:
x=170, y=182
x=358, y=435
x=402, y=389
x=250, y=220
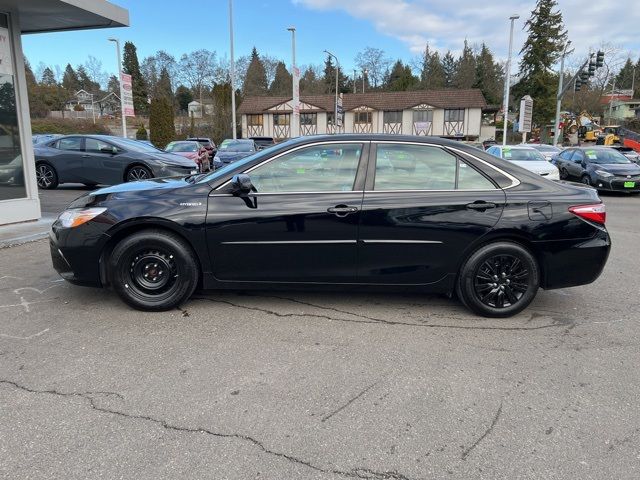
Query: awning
x=36, y=16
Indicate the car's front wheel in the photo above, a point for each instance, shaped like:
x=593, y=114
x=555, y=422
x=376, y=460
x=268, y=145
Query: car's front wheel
x=138, y=172
x=499, y=279
x=46, y=176
x=153, y=270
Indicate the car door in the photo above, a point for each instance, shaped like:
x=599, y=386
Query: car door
x=102, y=162
x=574, y=166
x=301, y=222
x=66, y=155
x=422, y=207
x=562, y=161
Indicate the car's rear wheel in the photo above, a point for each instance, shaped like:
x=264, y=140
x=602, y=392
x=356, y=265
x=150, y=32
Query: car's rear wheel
x=138, y=172
x=499, y=280
x=564, y=174
x=586, y=180
x=153, y=270
x=46, y=176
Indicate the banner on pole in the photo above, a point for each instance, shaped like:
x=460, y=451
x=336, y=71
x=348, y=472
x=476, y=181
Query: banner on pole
x=127, y=95
x=526, y=113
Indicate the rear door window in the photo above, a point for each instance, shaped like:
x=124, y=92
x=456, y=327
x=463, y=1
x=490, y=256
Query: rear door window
x=71, y=143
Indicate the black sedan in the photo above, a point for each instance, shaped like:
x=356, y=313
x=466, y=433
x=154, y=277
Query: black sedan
x=373, y=211
x=105, y=160
x=601, y=167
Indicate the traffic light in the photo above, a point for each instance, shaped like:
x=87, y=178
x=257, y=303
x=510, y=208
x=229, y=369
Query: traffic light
x=600, y=59
x=584, y=76
x=578, y=85
x=592, y=68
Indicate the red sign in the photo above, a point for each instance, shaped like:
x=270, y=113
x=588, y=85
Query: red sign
x=127, y=95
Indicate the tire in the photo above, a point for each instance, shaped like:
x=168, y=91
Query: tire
x=46, y=176
x=586, y=180
x=484, y=290
x=138, y=172
x=153, y=270
x=564, y=174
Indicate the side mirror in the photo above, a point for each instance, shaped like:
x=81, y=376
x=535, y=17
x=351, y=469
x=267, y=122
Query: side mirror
x=241, y=184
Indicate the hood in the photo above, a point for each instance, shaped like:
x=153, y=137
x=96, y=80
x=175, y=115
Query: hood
x=619, y=169
x=537, y=166
x=173, y=159
x=228, y=157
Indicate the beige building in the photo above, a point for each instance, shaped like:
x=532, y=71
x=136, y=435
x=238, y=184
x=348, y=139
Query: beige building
x=444, y=113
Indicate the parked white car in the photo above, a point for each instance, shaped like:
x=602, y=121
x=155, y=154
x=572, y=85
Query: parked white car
x=526, y=157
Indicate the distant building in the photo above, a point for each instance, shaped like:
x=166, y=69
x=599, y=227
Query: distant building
x=194, y=108
x=445, y=113
x=624, y=110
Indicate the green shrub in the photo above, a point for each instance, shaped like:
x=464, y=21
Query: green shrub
x=161, y=127
x=67, y=126
x=141, y=133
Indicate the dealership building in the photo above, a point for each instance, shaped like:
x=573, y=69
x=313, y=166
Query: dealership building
x=18, y=188
x=446, y=113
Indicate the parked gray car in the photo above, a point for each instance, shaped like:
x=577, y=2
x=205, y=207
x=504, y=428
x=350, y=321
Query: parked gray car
x=104, y=160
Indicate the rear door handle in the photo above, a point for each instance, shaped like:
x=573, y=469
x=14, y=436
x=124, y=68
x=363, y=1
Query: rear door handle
x=481, y=205
x=342, y=210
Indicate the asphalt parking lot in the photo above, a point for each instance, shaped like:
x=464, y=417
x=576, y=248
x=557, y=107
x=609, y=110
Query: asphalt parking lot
x=319, y=385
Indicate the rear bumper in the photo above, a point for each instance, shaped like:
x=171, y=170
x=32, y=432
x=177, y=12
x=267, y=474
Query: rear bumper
x=568, y=263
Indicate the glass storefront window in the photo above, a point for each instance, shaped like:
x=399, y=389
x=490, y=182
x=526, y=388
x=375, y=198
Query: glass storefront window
x=12, y=183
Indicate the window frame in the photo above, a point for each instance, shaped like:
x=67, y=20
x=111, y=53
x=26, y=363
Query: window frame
x=85, y=149
x=388, y=112
x=373, y=159
x=57, y=142
x=367, y=113
x=255, y=115
x=449, y=111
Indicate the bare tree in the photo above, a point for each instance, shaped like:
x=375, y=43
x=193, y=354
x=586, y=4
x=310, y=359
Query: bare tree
x=93, y=67
x=197, y=69
x=270, y=64
x=375, y=62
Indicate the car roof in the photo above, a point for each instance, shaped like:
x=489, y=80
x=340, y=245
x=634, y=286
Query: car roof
x=516, y=147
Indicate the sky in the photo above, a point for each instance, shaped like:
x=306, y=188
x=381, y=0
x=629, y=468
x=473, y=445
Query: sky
x=401, y=28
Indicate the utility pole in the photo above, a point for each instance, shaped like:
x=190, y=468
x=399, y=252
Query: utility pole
x=364, y=72
x=124, y=118
x=507, y=82
x=233, y=73
x=613, y=92
x=556, y=131
x=295, y=77
x=335, y=113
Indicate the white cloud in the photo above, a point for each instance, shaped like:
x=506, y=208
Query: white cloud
x=445, y=24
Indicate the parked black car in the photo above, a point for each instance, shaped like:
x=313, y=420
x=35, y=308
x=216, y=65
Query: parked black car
x=601, y=167
x=374, y=211
x=233, y=150
x=263, y=142
x=104, y=160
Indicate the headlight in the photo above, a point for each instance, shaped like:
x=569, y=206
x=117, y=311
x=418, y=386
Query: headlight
x=76, y=217
x=604, y=174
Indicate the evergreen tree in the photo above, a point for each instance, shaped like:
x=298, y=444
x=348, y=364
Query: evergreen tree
x=400, y=78
x=624, y=79
x=329, y=77
x=183, y=97
x=449, y=66
x=283, y=81
x=113, y=86
x=488, y=76
x=636, y=86
x=255, y=82
x=432, y=75
x=465, y=74
x=70, y=80
x=161, y=127
x=85, y=82
x=37, y=108
x=540, y=52
x=163, y=86
x=48, y=77
x=131, y=66
x=310, y=84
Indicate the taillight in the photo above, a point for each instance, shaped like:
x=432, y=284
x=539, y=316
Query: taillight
x=594, y=213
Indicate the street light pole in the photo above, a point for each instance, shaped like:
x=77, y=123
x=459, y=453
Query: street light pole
x=556, y=127
x=364, y=72
x=295, y=83
x=354, y=81
x=507, y=81
x=233, y=73
x=124, y=118
x=335, y=113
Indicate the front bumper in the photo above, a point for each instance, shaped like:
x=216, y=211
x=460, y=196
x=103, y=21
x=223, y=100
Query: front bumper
x=175, y=171
x=617, y=184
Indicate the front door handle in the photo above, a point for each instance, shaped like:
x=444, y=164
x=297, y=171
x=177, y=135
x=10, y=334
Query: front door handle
x=480, y=205
x=342, y=210
x=86, y=156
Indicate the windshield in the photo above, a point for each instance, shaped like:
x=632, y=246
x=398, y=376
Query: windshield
x=220, y=172
x=182, y=147
x=237, y=146
x=606, y=157
x=522, y=155
x=134, y=145
x=546, y=148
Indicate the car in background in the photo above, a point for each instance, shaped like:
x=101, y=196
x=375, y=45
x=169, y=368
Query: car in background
x=628, y=152
x=43, y=137
x=488, y=143
x=526, y=157
x=104, y=160
x=263, y=142
x=208, y=144
x=601, y=167
x=233, y=150
x=389, y=212
x=193, y=151
x=11, y=173
x=547, y=151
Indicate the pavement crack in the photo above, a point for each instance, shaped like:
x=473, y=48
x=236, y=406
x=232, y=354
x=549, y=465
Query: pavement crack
x=358, y=472
x=338, y=410
x=496, y=417
x=372, y=320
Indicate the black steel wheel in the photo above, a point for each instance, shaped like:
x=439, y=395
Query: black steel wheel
x=499, y=279
x=153, y=270
x=138, y=172
x=46, y=176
